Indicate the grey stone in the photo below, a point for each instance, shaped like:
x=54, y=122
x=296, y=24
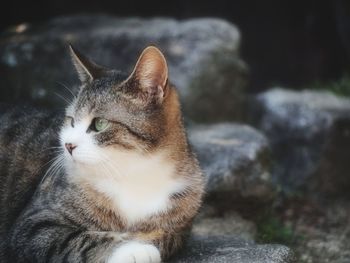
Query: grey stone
x=203, y=57
x=235, y=160
x=309, y=133
x=326, y=237
x=230, y=223
x=228, y=249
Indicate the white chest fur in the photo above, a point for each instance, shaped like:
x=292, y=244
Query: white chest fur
x=138, y=186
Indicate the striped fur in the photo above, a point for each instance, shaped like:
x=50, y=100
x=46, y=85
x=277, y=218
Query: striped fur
x=51, y=208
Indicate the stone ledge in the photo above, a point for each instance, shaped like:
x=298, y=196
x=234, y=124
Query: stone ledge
x=228, y=249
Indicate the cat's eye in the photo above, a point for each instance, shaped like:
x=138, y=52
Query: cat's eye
x=99, y=124
x=68, y=120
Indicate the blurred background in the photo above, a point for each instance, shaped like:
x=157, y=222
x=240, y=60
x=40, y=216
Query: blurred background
x=287, y=42
x=265, y=89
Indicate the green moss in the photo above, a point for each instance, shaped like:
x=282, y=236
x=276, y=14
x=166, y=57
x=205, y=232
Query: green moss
x=340, y=87
x=272, y=230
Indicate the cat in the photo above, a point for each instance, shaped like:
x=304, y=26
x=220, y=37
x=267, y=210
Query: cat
x=123, y=184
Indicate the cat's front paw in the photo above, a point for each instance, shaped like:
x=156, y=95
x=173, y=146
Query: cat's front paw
x=135, y=252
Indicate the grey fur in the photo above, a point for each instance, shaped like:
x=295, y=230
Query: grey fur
x=44, y=217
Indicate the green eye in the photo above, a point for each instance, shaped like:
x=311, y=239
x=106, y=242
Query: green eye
x=100, y=124
x=68, y=120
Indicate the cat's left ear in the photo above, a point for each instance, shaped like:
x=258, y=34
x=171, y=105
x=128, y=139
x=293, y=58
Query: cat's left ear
x=151, y=74
x=86, y=68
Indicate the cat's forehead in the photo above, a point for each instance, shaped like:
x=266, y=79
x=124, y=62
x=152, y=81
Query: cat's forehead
x=103, y=98
x=99, y=102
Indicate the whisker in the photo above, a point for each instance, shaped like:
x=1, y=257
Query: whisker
x=112, y=169
x=111, y=164
x=48, y=162
x=63, y=98
x=104, y=160
x=53, y=167
x=106, y=171
x=65, y=86
x=55, y=149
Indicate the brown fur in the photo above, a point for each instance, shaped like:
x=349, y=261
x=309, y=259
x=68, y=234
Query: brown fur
x=169, y=229
x=64, y=218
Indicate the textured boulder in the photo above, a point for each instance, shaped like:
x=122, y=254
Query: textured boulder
x=235, y=160
x=230, y=223
x=309, y=133
x=202, y=54
x=228, y=249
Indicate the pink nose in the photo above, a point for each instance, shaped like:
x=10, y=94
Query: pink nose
x=70, y=147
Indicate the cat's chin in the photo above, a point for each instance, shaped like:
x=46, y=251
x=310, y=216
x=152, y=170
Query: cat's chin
x=77, y=159
x=76, y=163
x=81, y=163
x=78, y=169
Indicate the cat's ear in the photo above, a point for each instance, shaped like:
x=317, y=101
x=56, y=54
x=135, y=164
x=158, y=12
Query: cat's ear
x=151, y=74
x=87, y=69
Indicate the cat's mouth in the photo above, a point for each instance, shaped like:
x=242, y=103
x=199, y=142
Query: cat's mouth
x=81, y=159
x=72, y=157
x=75, y=159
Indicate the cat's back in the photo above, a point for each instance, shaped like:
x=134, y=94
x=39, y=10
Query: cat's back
x=22, y=123
x=28, y=138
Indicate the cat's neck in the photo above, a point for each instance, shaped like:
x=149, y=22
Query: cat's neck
x=136, y=185
x=174, y=139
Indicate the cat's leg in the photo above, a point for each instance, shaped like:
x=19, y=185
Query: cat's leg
x=166, y=243
x=170, y=243
x=149, y=247
x=41, y=238
x=50, y=241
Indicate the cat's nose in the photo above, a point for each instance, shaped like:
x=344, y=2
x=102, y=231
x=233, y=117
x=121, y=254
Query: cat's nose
x=70, y=147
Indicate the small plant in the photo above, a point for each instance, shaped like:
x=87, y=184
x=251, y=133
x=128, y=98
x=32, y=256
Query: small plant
x=340, y=87
x=272, y=230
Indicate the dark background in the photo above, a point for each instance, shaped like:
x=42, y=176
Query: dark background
x=286, y=42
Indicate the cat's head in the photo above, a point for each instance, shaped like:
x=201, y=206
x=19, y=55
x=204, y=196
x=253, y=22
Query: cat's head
x=116, y=112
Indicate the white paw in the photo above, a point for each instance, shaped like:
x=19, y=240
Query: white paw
x=135, y=252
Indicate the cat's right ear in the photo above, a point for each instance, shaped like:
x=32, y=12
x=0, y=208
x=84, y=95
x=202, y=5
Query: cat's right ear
x=150, y=75
x=87, y=69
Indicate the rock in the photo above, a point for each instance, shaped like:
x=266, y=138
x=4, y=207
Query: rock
x=203, y=57
x=235, y=160
x=309, y=133
x=325, y=249
x=231, y=223
x=325, y=232
x=228, y=249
